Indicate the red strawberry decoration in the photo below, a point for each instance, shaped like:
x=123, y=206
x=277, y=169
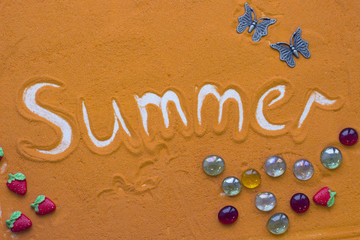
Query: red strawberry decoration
x=17, y=183
x=1, y=153
x=18, y=222
x=43, y=205
x=325, y=197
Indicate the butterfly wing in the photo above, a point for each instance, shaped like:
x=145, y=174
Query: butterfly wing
x=245, y=20
x=261, y=29
x=300, y=44
x=285, y=54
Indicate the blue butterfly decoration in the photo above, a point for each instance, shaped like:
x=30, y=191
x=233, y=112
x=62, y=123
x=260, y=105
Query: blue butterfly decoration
x=247, y=20
x=288, y=51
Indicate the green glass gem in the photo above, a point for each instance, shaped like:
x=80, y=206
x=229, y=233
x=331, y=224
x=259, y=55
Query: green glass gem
x=213, y=165
x=331, y=157
x=231, y=186
x=278, y=223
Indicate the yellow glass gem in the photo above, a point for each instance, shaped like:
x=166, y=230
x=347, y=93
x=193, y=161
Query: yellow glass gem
x=251, y=178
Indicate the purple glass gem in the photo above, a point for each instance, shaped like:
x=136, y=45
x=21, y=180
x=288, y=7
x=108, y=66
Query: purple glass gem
x=300, y=203
x=348, y=136
x=228, y=215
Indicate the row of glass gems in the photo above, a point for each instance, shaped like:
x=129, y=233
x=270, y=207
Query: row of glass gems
x=275, y=166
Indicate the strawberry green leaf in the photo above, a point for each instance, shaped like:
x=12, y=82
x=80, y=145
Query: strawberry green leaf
x=38, y=200
x=17, y=176
x=13, y=218
x=1, y=152
x=331, y=201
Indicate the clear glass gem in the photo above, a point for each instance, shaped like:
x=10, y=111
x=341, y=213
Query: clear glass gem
x=278, y=223
x=265, y=201
x=303, y=169
x=275, y=166
x=213, y=165
x=231, y=186
x=331, y=157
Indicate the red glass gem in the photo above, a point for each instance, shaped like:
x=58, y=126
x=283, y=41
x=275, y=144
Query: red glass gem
x=228, y=215
x=348, y=136
x=300, y=203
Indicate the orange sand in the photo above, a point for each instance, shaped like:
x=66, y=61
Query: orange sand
x=154, y=187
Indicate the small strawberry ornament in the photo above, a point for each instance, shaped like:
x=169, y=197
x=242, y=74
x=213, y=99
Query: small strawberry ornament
x=17, y=183
x=43, y=205
x=325, y=197
x=1, y=153
x=18, y=222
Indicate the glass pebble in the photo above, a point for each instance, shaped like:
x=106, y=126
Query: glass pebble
x=265, y=201
x=303, y=169
x=300, y=203
x=251, y=178
x=348, y=136
x=278, y=223
x=331, y=157
x=228, y=215
x=231, y=186
x=275, y=166
x=213, y=165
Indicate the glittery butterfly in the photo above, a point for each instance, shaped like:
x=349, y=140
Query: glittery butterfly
x=247, y=20
x=288, y=51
